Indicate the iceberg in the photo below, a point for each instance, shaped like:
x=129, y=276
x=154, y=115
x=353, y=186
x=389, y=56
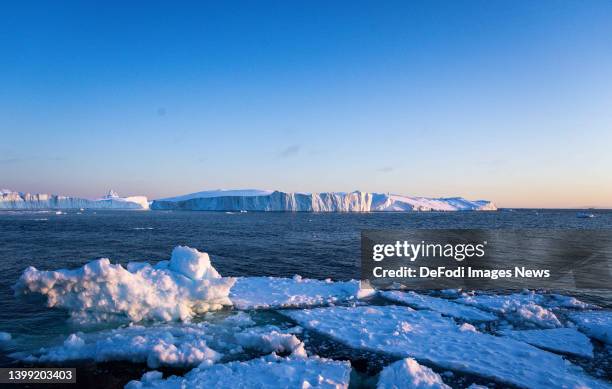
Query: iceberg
x=266, y=200
x=177, y=289
x=25, y=201
x=431, y=338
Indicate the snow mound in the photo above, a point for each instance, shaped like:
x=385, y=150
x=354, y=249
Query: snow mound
x=596, y=324
x=407, y=373
x=520, y=308
x=562, y=340
x=445, y=307
x=274, y=292
x=171, y=290
x=263, y=373
x=431, y=338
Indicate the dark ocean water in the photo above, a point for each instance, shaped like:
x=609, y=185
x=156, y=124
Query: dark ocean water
x=324, y=245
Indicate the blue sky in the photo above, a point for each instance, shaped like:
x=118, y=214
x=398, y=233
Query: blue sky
x=504, y=100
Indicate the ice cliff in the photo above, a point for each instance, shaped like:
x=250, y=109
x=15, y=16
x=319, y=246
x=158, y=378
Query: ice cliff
x=261, y=200
x=18, y=200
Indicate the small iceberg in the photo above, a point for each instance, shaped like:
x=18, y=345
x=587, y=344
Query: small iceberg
x=585, y=215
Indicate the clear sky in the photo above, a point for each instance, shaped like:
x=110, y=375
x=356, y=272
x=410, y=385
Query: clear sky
x=503, y=100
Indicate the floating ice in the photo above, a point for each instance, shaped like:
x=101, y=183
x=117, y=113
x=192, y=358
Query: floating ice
x=563, y=340
x=264, y=373
x=273, y=292
x=596, y=324
x=407, y=373
x=171, y=290
x=429, y=337
x=17, y=200
x=178, y=345
x=5, y=337
x=445, y=307
x=521, y=308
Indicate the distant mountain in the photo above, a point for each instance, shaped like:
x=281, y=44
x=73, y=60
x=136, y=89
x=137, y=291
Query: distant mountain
x=18, y=200
x=265, y=200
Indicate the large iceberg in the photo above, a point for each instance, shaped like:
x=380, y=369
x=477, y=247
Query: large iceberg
x=265, y=200
x=18, y=200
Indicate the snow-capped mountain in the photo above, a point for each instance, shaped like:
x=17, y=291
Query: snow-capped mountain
x=18, y=200
x=264, y=200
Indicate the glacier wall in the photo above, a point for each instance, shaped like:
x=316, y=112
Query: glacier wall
x=24, y=201
x=317, y=202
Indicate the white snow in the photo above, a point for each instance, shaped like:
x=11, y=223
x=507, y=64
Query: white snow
x=274, y=292
x=596, y=324
x=174, y=344
x=171, y=290
x=264, y=373
x=409, y=374
x=431, y=338
x=265, y=200
x=445, y=307
x=17, y=200
x=523, y=308
x=563, y=340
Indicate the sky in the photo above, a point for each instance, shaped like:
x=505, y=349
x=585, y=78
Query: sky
x=509, y=101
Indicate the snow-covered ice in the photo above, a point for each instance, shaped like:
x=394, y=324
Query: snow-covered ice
x=524, y=308
x=265, y=200
x=445, y=307
x=263, y=373
x=409, y=374
x=18, y=200
x=596, y=324
x=431, y=338
x=274, y=292
x=562, y=340
x=171, y=290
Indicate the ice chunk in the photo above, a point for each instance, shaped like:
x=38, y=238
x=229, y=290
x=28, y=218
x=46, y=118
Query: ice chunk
x=273, y=292
x=269, y=339
x=5, y=337
x=263, y=373
x=431, y=338
x=140, y=292
x=596, y=324
x=407, y=373
x=563, y=340
x=445, y=307
x=522, y=308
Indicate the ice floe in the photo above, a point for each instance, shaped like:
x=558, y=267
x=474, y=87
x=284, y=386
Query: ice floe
x=563, y=340
x=171, y=290
x=524, y=308
x=408, y=373
x=596, y=324
x=178, y=345
x=445, y=307
x=273, y=292
x=263, y=373
x=431, y=338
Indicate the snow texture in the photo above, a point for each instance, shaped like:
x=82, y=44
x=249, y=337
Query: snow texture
x=408, y=374
x=273, y=292
x=171, y=290
x=562, y=340
x=596, y=324
x=445, y=307
x=431, y=338
x=263, y=200
x=264, y=373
